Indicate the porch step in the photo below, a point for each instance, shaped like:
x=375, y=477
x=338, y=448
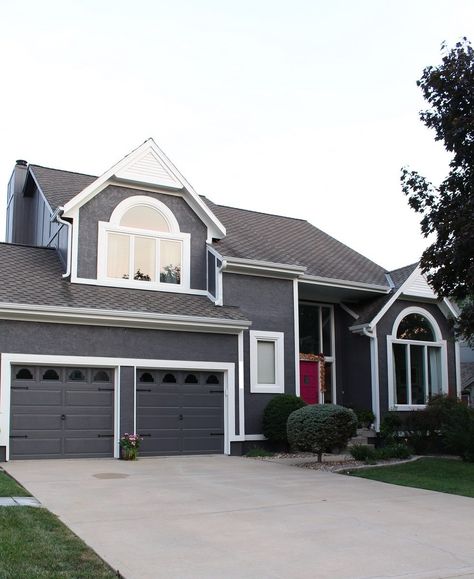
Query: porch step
x=363, y=436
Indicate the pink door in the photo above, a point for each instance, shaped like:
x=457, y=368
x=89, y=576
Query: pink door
x=309, y=381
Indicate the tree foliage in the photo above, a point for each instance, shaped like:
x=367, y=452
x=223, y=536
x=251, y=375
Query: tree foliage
x=448, y=209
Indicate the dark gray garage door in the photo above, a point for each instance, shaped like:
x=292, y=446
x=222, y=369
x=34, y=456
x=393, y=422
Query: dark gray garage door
x=180, y=412
x=59, y=412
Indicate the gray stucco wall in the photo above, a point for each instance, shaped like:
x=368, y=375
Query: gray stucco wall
x=384, y=328
x=269, y=304
x=101, y=207
x=353, y=370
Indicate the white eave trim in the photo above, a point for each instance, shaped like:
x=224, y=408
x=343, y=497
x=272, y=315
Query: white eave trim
x=263, y=268
x=342, y=283
x=90, y=316
x=217, y=229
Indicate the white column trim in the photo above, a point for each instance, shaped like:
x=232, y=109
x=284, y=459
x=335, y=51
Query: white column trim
x=296, y=329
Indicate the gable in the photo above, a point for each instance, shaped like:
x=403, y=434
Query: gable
x=151, y=170
x=417, y=286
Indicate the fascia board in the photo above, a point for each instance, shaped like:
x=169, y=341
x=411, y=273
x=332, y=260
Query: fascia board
x=267, y=269
x=217, y=228
x=342, y=283
x=55, y=314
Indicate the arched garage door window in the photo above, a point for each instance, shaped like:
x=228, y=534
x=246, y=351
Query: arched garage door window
x=416, y=360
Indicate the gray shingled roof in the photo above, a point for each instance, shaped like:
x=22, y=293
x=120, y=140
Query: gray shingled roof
x=400, y=275
x=251, y=235
x=266, y=237
x=58, y=186
x=32, y=275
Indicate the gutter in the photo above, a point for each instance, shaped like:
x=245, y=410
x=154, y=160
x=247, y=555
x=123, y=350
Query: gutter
x=57, y=216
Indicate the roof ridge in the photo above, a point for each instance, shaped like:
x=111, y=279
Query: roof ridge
x=62, y=170
x=404, y=267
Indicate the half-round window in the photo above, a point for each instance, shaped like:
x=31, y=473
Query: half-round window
x=146, y=377
x=51, y=375
x=101, y=376
x=415, y=327
x=145, y=217
x=24, y=374
x=169, y=379
x=77, y=375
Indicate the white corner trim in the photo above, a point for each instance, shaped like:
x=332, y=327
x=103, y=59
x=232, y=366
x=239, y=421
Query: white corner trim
x=296, y=330
x=8, y=359
x=374, y=370
x=457, y=357
x=55, y=314
x=216, y=228
x=278, y=338
x=240, y=384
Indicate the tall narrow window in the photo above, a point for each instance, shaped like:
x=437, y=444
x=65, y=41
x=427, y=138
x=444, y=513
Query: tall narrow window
x=267, y=362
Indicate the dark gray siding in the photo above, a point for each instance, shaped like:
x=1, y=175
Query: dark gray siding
x=269, y=304
x=353, y=369
x=384, y=328
x=211, y=273
x=101, y=207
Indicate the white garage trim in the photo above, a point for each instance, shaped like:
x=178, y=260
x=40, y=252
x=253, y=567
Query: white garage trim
x=7, y=360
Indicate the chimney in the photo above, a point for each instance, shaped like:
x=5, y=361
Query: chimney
x=14, y=201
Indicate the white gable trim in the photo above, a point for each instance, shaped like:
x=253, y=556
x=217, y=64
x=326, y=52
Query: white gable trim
x=130, y=166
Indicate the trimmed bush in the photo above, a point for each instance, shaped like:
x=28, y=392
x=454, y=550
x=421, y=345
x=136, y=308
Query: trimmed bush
x=366, y=453
x=275, y=416
x=363, y=452
x=365, y=417
x=321, y=428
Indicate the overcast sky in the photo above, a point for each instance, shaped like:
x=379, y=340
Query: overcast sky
x=302, y=108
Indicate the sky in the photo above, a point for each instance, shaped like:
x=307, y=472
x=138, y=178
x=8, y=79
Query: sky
x=305, y=108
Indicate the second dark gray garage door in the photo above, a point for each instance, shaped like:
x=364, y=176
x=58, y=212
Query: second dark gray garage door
x=180, y=412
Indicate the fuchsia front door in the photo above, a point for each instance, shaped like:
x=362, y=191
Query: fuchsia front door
x=309, y=381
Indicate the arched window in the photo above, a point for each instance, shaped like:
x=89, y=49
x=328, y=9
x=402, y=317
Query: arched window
x=169, y=378
x=146, y=377
x=24, y=374
x=50, y=375
x=77, y=375
x=212, y=379
x=142, y=242
x=191, y=379
x=101, y=376
x=417, y=357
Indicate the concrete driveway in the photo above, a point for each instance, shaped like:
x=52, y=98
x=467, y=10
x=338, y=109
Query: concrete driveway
x=219, y=517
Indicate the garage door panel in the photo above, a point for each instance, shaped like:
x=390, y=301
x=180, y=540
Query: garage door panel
x=161, y=443
x=31, y=447
x=84, y=422
x=33, y=422
x=196, y=442
x=90, y=445
x=158, y=399
x=36, y=397
x=88, y=398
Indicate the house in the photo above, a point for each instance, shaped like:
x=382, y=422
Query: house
x=129, y=303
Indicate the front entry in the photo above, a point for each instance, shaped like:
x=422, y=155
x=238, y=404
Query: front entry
x=309, y=381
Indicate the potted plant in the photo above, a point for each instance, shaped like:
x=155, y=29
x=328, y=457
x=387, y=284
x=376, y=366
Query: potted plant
x=129, y=445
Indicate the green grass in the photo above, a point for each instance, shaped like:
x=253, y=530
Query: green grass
x=435, y=474
x=10, y=488
x=34, y=544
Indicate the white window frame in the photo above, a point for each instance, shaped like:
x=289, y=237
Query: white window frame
x=113, y=226
x=438, y=343
x=278, y=338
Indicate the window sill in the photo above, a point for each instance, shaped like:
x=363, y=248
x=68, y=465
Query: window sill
x=267, y=389
x=407, y=407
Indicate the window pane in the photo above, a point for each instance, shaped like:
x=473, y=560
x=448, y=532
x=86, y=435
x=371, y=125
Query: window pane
x=417, y=369
x=309, y=329
x=434, y=371
x=415, y=327
x=400, y=373
x=143, y=217
x=265, y=362
x=326, y=322
x=170, y=261
x=328, y=383
x=145, y=259
x=118, y=256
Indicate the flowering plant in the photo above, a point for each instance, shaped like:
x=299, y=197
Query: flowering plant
x=130, y=441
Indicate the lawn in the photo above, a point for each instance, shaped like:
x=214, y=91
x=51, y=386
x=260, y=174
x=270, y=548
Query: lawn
x=9, y=488
x=34, y=544
x=435, y=474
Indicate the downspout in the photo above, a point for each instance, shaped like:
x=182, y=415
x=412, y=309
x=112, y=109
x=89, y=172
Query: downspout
x=57, y=216
x=374, y=370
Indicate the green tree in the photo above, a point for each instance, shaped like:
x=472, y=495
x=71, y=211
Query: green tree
x=448, y=209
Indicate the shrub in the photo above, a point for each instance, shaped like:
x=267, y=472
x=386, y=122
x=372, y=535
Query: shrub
x=363, y=452
x=275, y=416
x=257, y=452
x=365, y=418
x=321, y=428
x=398, y=450
x=390, y=426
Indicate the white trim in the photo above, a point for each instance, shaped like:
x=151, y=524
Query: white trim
x=296, y=330
x=342, y=283
x=241, y=382
x=7, y=360
x=170, y=288
x=457, y=355
x=374, y=370
x=215, y=227
x=117, y=413
x=144, y=201
x=261, y=268
x=99, y=317
x=392, y=339
x=278, y=339
x=255, y=437
x=348, y=310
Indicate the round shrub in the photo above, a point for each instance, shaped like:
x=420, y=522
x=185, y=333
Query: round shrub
x=321, y=428
x=276, y=415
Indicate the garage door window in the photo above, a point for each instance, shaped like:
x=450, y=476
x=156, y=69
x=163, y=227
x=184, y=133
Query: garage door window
x=50, y=375
x=24, y=374
x=101, y=376
x=77, y=375
x=169, y=378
